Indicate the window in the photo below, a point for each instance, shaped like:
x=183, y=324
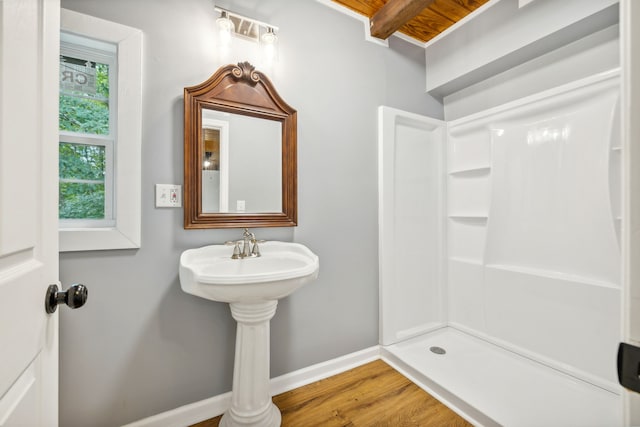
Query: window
x=87, y=129
x=100, y=133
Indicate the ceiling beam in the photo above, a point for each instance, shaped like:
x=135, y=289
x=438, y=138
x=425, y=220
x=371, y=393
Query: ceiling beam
x=394, y=14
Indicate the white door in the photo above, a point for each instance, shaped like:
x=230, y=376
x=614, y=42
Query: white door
x=630, y=62
x=29, y=46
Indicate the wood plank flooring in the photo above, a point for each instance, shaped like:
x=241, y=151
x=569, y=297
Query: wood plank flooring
x=371, y=395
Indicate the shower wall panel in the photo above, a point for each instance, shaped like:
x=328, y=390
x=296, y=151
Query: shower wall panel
x=410, y=217
x=533, y=226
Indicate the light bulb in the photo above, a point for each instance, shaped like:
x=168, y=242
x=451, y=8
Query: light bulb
x=225, y=28
x=270, y=37
x=269, y=42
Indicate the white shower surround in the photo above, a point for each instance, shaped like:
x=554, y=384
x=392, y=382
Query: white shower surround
x=520, y=248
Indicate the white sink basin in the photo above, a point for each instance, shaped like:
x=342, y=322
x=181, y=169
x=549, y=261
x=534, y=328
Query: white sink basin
x=209, y=272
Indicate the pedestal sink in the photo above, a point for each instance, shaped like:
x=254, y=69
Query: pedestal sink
x=252, y=287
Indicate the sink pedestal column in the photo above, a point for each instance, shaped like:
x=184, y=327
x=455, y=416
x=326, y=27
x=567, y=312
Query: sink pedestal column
x=251, y=403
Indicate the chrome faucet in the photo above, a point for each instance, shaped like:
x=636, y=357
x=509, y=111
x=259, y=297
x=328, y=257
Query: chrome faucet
x=249, y=243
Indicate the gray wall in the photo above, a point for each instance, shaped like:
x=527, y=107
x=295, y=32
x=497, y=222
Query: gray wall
x=592, y=54
x=141, y=346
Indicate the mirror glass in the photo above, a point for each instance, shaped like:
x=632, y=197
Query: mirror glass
x=239, y=152
x=242, y=163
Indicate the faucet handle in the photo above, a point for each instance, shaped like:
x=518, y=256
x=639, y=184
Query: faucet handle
x=236, y=248
x=255, y=252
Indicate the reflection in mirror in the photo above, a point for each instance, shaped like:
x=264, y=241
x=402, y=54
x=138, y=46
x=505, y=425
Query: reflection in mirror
x=242, y=163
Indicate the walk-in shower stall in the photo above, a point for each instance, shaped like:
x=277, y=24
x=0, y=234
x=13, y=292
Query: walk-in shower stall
x=500, y=253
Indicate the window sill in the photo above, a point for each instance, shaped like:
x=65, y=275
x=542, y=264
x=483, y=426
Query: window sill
x=96, y=239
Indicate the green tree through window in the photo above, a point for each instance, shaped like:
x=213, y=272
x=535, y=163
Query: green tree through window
x=82, y=189
x=83, y=110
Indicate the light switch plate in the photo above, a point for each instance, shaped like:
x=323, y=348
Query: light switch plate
x=168, y=196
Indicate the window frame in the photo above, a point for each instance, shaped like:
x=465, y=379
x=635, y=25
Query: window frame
x=126, y=118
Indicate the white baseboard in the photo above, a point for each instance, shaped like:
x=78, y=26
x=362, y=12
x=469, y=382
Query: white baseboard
x=188, y=414
x=208, y=408
x=323, y=370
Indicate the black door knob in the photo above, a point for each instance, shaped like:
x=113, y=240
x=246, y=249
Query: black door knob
x=74, y=297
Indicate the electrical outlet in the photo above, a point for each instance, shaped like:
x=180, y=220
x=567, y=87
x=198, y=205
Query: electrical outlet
x=168, y=196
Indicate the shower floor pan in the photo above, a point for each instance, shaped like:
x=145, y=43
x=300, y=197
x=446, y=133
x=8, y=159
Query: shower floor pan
x=491, y=386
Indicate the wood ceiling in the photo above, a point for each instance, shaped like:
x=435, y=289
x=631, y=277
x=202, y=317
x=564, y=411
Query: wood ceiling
x=420, y=19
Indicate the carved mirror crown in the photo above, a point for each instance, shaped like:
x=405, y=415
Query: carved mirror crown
x=238, y=90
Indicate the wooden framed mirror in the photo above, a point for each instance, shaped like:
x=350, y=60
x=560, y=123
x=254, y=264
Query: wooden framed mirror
x=240, y=152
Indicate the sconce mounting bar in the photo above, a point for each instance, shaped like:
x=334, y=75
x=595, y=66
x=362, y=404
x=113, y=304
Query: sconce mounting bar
x=255, y=21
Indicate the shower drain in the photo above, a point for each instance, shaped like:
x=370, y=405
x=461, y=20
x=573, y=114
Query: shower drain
x=438, y=350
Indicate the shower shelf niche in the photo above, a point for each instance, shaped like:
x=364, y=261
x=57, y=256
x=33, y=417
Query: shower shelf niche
x=467, y=236
x=469, y=151
x=469, y=218
x=468, y=199
x=471, y=172
x=467, y=261
x=469, y=196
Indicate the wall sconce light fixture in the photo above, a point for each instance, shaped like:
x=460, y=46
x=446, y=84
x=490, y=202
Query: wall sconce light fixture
x=231, y=24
